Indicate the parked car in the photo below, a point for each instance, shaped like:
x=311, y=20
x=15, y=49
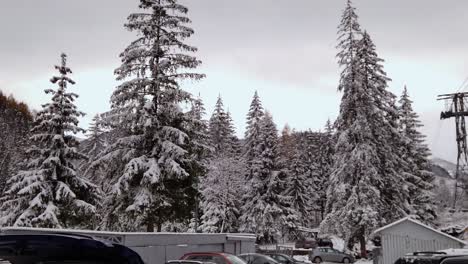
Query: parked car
x=60, y=248
x=429, y=257
x=255, y=258
x=213, y=257
x=306, y=243
x=455, y=260
x=284, y=259
x=327, y=254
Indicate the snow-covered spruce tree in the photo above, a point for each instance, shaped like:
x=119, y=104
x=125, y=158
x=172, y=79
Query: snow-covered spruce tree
x=286, y=147
x=301, y=181
x=95, y=141
x=221, y=191
x=393, y=164
x=366, y=187
x=324, y=163
x=417, y=154
x=222, y=132
x=200, y=150
x=349, y=34
x=49, y=193
x=155, y=184
x=15, y=124
x=92, y=146
x=266, y=210
x=221, y=187
x=252, y=135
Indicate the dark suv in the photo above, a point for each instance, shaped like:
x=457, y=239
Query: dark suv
x=455, y=260
x=432, y=258
x=58, y=248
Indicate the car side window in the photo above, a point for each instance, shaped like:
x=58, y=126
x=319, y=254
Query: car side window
x=219, y=260
x=280, y=258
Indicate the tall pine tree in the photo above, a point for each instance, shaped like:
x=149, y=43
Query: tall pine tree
x=349, y=34
x=200, y=150
x=92, y=147
x=49, y=192
x=221, y=187
x=156, y=184
x=15, y=124
x=222, y=132
x=419, y=175
x=301, y=187
x=366, y=171
x=324, y=163
x=252, y=136
x=266, y=210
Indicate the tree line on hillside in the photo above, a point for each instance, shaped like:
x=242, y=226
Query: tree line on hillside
x=15, y=123
x=154, y=162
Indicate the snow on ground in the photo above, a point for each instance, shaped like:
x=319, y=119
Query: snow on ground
x=364, y=261
x=303, y=258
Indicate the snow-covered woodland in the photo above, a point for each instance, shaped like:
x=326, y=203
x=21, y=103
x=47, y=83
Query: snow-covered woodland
x=156, y=161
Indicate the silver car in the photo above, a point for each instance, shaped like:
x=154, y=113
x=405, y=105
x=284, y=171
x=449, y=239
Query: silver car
x=326, y=254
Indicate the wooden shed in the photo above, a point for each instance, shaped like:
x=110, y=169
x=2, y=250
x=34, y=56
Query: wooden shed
x=408, y=235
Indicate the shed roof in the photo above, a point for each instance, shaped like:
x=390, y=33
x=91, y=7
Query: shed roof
x=409, y=219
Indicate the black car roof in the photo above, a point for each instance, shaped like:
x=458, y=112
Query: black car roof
x=455, y=260
x=27, y=248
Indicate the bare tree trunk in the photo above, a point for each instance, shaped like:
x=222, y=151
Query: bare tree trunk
x=150, y=226
x=362, y=241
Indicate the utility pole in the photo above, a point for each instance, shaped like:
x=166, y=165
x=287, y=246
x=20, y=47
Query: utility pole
x=457, y=107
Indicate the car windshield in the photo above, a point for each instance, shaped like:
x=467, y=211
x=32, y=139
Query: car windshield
x=234, y=259
x=281, y=256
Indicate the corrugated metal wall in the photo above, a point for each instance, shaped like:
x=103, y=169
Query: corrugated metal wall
x=395, y=246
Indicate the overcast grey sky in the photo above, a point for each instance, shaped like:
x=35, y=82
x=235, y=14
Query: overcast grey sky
x=285, y=49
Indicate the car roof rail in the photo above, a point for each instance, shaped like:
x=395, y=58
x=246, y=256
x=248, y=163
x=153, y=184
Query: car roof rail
x=429, y=253
x=49, y=234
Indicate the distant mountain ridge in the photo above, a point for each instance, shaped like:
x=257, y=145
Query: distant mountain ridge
x=440, y=172
x=450, y=167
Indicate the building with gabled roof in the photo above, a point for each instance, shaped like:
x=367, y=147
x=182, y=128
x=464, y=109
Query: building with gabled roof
x=408, y=235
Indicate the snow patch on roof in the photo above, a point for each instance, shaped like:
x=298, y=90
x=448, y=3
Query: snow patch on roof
x=93, y=232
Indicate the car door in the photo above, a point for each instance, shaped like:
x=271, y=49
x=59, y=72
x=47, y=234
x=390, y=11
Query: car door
x=329, y=255
x=335, y=255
